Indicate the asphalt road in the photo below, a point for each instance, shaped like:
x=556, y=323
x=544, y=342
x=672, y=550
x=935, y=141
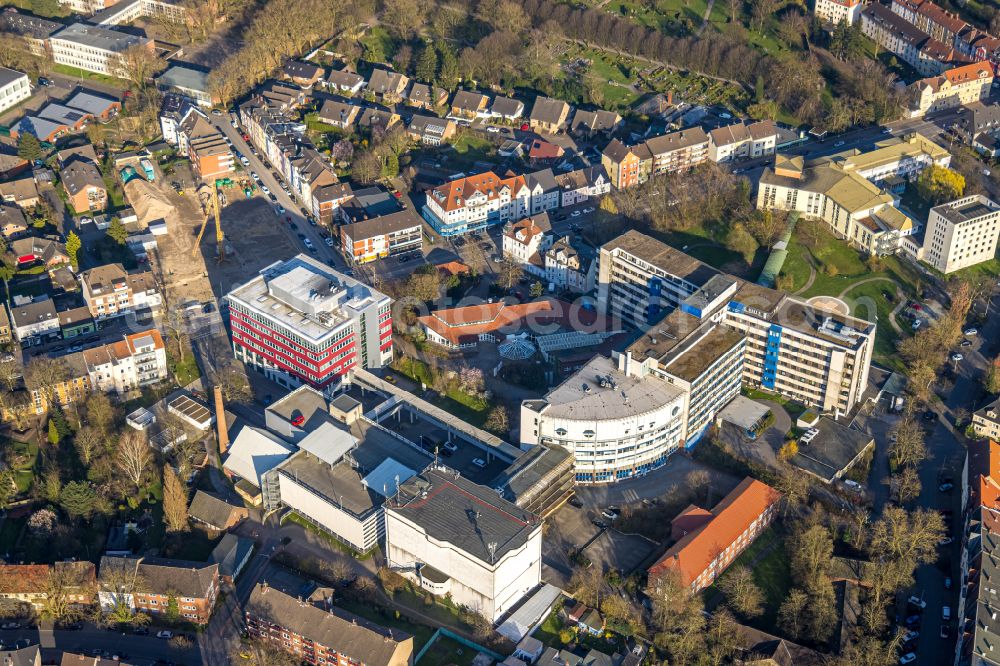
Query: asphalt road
x=141, y=650
x=292, y=207
x=947, y=455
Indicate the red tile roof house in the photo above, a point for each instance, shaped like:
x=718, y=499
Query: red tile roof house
x=708, y=541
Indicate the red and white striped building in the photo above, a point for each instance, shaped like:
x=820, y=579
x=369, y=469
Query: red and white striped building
x=300, y=321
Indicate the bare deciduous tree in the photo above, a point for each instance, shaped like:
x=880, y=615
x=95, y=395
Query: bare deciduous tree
x=175, y=499
x=133, y=457
x=742, y=593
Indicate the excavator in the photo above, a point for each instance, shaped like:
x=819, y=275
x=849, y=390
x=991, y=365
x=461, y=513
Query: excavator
x=220, y=239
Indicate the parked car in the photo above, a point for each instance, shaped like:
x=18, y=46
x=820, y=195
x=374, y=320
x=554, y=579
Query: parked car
x=945, y=631
x=911, y=635
x=575, y=502
x=610, y=513
x=450, y=446
x=479, y=462
x=912, y=620
x=957, y=357
x=947, y=582
x=493, y=130
x=945, y=541
x=945, y=487
x=970, y=332
x=946, y=613
x=164, y=634
x=10, y=625
x=917, y=601
x=908, y=658
x=141, y=631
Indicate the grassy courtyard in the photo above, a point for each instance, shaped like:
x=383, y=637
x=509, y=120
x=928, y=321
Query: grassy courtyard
x=767, y=558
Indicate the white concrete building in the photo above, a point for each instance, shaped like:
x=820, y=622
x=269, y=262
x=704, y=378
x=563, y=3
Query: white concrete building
x=93, y=48
x=962, y=233
x=525, y=241
x=954, y=88
x=813, y=356
x=616, y=425
x=14, y=88
x=31, y=322
x=475, y=202
x=838, y=11
x=138, y=360
x=455, y=537
x=739, y=141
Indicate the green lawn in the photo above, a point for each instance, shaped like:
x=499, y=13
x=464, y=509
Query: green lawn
x=116, y=197
x=464, y=406
x=472, y=145
x=78, y=73
x=548, y=633
x=185, y=371
x=796, y=267
x=421, y=632
x=447, y=651
x=771, y=573
x=871, y=302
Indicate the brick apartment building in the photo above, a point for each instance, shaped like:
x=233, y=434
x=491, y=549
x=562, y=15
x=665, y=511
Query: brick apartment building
x=323, y=634
x=152, y=585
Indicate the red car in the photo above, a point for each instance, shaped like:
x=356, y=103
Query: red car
x=525, y=127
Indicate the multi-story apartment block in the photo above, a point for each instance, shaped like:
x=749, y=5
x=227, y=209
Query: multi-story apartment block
x=475, y=202
x=708, y=541
x=85, y=188
x=739, y=141
x=152, y=585
x=93, y=48
x=14, y=88
x=383, y=236
x=838, y=11
x=300, y=321
x=808, y=354
x=454, y=537
x=628, y=166
x=566, y=268
x=138, y=360
x=954, y=88
x=110, y=291
x=962, y=233
x=978, y=125
x=582, y=185
x=322, y=634
x=205, y=146
x=943, y=26
x=34, y=321
x=622, y=163
x=524, y=242
x=929, y=56
x=122, y=13
x=986, y=421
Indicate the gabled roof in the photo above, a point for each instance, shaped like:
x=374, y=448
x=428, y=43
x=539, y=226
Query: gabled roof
x=344, y=79
x=454, y=194
x=211, y=510
x=351, y=636
x=693, y=553
x=548, y=110
x=595, y=121
x=466, y=323
x=507, y=107
x=90, y=103
x=470, y=102
x=78, y=176
x=183, y=578
x=384, y=81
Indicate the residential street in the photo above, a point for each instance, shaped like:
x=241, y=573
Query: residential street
x=140, y=650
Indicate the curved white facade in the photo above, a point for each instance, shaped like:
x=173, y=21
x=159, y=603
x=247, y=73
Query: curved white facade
x=617, y=426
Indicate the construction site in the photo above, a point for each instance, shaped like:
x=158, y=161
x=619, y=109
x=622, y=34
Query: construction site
x=188, y=261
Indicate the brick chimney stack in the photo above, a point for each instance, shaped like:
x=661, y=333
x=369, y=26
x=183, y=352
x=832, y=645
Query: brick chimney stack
x=220, y=422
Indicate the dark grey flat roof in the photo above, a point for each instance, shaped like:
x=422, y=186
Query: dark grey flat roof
x=451, y=508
